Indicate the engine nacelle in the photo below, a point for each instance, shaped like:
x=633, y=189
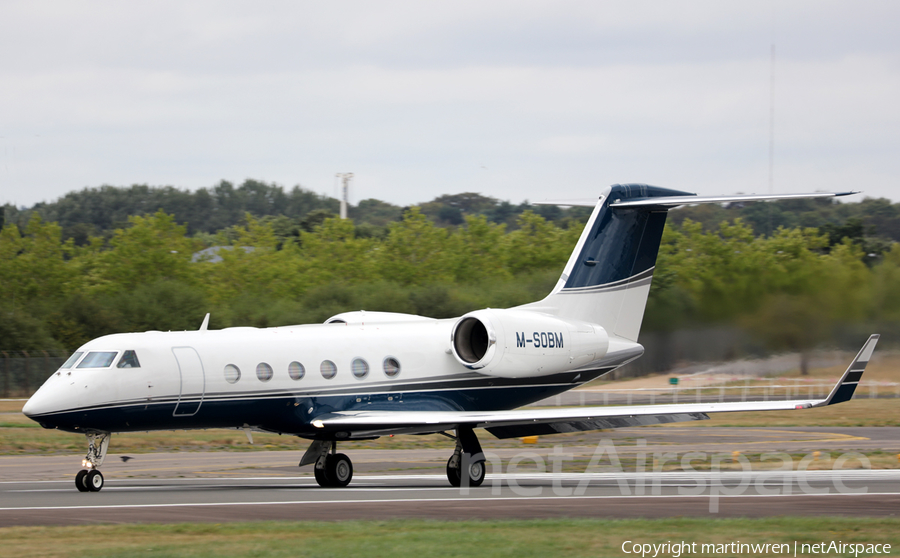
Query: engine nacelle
x=522, y=344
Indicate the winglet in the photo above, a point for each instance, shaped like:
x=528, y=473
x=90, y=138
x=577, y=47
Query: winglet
x=205, y=323
x=844, y=389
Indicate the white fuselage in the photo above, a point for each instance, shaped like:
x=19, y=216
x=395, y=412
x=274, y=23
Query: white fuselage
x=282, y=378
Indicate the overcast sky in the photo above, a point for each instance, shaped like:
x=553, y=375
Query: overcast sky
x=515, y=100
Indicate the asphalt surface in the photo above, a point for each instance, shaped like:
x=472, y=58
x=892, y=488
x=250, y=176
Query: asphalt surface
x=240, y=486
x=864, y=492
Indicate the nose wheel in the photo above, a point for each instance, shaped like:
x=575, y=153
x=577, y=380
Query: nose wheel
x=90, y=479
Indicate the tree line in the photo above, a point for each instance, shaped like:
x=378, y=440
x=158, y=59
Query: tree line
x=791, y=289
x=873, y=224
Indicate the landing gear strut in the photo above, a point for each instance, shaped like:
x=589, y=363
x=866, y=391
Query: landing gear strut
x=332, y=470
x=90, y=479
x=466, y=465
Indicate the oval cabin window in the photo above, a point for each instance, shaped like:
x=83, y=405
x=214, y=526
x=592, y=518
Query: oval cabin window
x=360, y=368
x=328, y=369
x=296, y=370
x=263, y=372
x=391, y=367
x=232, y=374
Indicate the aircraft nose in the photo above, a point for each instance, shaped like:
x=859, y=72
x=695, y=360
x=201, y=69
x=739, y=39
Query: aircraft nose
x=31, y=407
x=38, y=404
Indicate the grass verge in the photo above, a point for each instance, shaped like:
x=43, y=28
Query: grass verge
x=423, y=539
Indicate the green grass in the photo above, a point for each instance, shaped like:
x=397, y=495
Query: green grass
x=423, y=539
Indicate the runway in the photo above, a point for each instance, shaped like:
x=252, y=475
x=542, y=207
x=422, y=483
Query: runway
x=539, y=495
x=262, y=485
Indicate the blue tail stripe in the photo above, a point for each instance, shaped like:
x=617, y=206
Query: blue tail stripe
x=622, y=242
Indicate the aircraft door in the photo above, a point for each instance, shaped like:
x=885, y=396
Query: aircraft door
x=193, y=381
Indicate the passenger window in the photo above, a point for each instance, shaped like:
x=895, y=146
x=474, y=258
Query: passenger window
x=391, y=367
x=263, y=372
x=72, y=360
x=98, y=359
x=360, y=368
x=128, y=360
x=296, y=370
x=232, y=373
x=328, y=369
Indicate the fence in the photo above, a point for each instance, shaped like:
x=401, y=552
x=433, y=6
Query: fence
x=24, y=371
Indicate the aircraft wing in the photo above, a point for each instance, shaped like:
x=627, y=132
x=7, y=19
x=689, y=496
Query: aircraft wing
x=526, y=422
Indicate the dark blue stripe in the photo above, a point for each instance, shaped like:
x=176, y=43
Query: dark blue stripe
x=844, y=393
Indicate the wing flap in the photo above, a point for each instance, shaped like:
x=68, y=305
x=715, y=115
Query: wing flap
x=543, y=429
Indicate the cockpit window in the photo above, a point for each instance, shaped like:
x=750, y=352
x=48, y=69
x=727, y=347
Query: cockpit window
x=98, y=359
x=72, y=360
x=128, y=360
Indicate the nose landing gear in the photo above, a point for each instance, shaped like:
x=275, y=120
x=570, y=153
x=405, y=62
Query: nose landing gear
x=90, y=479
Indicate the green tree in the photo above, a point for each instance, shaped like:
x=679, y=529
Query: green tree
x=414, y=252
x=886, y=287
x=333, y=254
x=153, y=248
x=538, y=244
x=478, y=250
x=33, y=265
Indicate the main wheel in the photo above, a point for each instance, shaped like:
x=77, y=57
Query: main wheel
x=94, y=481
x=80, y=482
x=340, y=469
x=476, y=471
x=322, y=476
x=453, y=474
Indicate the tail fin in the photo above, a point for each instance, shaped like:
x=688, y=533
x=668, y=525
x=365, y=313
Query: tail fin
x=607, y=278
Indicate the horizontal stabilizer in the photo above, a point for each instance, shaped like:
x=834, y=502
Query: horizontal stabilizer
x=674, y=201
x=581, y=202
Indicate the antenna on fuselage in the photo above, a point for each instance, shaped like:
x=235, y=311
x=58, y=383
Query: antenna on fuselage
x=205, y=324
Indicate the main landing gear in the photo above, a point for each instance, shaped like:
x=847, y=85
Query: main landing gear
x=332, y=470
x=90, y=479
x=466, y=465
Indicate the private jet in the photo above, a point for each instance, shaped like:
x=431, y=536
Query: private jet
x=362, y=375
